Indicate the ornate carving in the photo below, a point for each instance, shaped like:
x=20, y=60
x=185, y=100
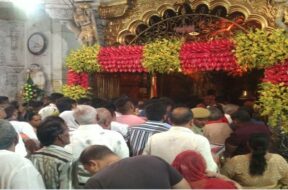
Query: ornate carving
x=112, y=11
x=281, y=5
x=259, y=11
x=84, y=19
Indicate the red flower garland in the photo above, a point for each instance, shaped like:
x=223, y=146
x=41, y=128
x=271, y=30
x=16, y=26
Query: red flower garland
x=277, y=74
x=207, y=56
x=74, y=78
x=121, y=59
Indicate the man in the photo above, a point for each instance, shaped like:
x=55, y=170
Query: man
x=127, y=110
x=168, y=145
x=137, y=136
x=17, y=172
x=216, y=130
x=200, y=118
x=236, y=144
x=53, y=161
x=65, y=105
x=51, y=108
x=140, y=172
x=90, y=133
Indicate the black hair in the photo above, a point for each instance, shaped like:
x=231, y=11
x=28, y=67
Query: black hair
x=94, y=152
x=181, y=115
x=35, y=104
x=65, y=104
x=4, y=99
x=84, y=101
x=9, y=110
x=215, y=113
x=241, y=115
x=98, y=102
x=55, y=96
x=29, y=115
x=155, y=110
x=123, y=104
x=167, y=101
x=49, y=129
x=15, y=104
x=259, y=144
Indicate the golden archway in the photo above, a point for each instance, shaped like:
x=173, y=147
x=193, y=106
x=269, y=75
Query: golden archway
x=125, y=22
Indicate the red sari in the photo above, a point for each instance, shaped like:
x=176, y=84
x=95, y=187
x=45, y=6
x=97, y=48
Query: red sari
x=192, y=166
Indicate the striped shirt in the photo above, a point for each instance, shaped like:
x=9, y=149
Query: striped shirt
x=54, y=164
x=138, y=135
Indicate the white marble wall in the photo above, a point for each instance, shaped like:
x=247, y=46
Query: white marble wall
x=15, y=58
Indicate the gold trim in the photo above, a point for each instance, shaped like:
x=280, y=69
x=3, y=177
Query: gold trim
x=262, y=20
x=146, y=16
x=222, y=3
x=142, y=10
x=239, y=8
x=164, y=8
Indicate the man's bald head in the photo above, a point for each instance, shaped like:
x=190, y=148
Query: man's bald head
x=181, y=116
x=104, y=117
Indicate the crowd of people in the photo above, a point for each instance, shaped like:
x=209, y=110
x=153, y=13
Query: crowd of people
x=61, y=143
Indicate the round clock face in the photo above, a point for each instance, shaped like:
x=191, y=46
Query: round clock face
x=36, y=43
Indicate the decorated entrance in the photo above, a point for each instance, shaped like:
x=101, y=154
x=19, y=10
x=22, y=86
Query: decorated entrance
x=187, y=38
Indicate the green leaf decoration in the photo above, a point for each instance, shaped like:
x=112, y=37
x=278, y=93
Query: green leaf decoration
x=273, y=104
x=162, y=56
x=261, y=49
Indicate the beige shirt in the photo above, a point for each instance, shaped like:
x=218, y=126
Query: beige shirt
x=217, y=133
x=167, y=145
x=275, y=174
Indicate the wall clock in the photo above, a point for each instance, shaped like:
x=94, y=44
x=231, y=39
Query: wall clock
x=37, y=43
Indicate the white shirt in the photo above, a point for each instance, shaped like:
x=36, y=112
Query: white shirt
x=68, y=117
x=18, y=172
x=27, y=129
x=167, y=145
x=94, y=134
x=120, y=128
x=24, y=127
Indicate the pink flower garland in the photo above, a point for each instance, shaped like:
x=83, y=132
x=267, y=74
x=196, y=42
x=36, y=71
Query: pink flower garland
x=121, y=59
x=277, y=74
x=207, y=56
x=74, y=78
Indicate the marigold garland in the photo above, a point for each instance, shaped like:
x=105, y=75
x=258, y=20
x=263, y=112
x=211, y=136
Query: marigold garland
x=162, y=56
x=273, y=103
x=261, y=49
x=84, y=59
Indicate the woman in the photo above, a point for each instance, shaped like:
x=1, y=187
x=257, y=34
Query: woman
x=193, y=168
x=258, y=169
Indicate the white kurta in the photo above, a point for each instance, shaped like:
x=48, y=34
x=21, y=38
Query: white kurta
x=18, y=172
x=167, y=145
x=94, y=134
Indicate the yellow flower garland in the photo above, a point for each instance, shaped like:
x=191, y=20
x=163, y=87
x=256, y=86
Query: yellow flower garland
x=84, y=59
x=75, y=91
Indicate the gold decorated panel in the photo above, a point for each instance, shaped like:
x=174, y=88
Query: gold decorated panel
x=122, y=19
